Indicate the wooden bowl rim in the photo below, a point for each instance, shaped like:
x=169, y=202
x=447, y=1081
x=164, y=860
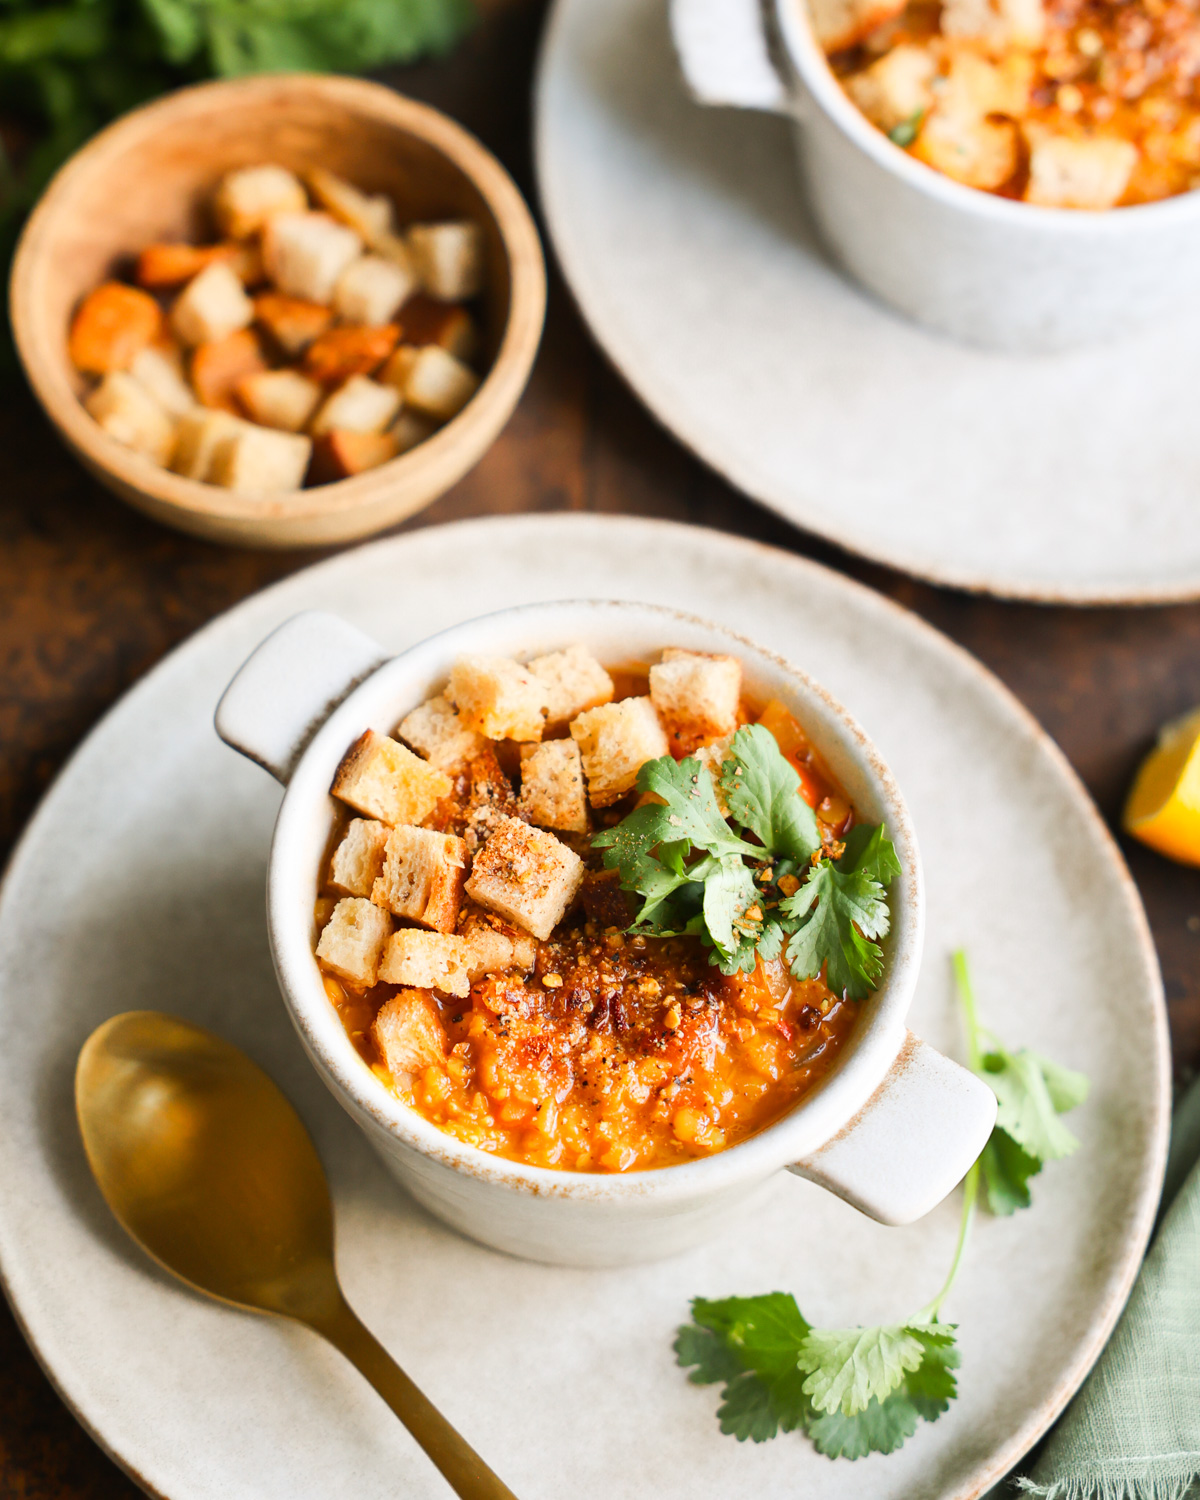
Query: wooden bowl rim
x=426, y=465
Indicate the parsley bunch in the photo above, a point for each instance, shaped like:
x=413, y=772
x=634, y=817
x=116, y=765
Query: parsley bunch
x=759, y=882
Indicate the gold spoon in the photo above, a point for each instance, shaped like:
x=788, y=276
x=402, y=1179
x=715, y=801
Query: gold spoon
x=209, y=1168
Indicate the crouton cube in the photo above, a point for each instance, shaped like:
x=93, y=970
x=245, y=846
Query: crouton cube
x=410, y=429
x=896, y=88
x=370, y=290
x=979, y=152
x=305, y=253
x=162, y=267
x=399, y=366
x=480, y=796
x=615, y=741
x=435, y=731
x=358, y=859
x=428, y=961
x=260, y=460
x=409, y=1034
x=422, y=876
x=197, y=437
x=574, y=681
x=387, y=781
x=438, y=384
x=158, y=369
x=844, y=23
x=335, y=356
x=370, y=216
x=492, y=951
x=112, y=325
x=975, y=87
x=341, y=455
x=216, y=369
x=361, y=405
x=247, y=198
x=448, y=258
x=291, y=321
x=696, y=695
x=498, y=697
x=211, y=307
x=998, y=24
x=279, y=398
x=352, y=942
x=1069, y=173
x=525, y=875
x=552, y=792
x=425, y=320
x=129, y=413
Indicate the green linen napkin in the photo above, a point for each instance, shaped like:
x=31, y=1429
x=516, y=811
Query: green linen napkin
x=1133, y=1431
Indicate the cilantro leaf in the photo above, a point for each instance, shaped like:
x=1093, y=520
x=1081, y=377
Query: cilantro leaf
x=1028, y=1112
x=846, y=1367
x=869, y=852
x=765, y=1332
x=729, y=892
x=881, y=1427
x=689, y=809
x=762, y=792
x=932, y=1385
x=708, y=1352
x=1006, y=1169
x=747, y=1411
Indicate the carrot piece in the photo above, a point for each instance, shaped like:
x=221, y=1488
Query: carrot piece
x=112, y=326
x=291, y=321
x=217, y=368
x=342, y=352
x=338, y=454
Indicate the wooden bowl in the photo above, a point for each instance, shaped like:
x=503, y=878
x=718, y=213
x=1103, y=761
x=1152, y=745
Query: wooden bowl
x=151, y=177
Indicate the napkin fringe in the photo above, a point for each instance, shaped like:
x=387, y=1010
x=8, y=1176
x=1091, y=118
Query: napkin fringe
x=1122, y=1487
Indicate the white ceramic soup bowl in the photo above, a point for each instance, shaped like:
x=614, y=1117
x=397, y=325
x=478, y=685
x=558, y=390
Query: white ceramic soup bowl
x=984, y=269
x=892, y=1128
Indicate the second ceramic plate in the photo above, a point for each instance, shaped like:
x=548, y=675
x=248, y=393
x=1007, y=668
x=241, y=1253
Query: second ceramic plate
x=683, y=235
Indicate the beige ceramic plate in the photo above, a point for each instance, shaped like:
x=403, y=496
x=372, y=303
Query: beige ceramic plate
x=682, y=232
x=140, y=883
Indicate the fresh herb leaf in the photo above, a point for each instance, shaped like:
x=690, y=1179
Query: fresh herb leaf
x=689, y=809
x=881, y=1427
x=905, y=133
x=762, y=792
x=747, y=1411
x=846, y=1367
x=1006, y=1172
x=841, y=907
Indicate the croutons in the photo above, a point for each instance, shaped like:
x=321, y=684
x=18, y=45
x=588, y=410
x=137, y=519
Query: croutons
x=481, y=796
x=425, y=320
x=291, y=321
x=498, y=697
x=127, y=412
x=409, y=429
x=335, y=356
x=361, y=405
x=525, y=875
x=435, y=731
x=998, y=25
x=216, y=369
x=978, y=152
x=696, y=695
x=370, y=216
x=158, y=369
x=1069, y=173
x=409, y=1034
x=896, y=88
x=552, y=791
x=340, y=455
x=399, y=366
x=358, y=859
x=260, y=460
x=422, y=876
x=371, y=289
x=247, y=198
x=305, y=253
x=491, y=951
x=279, y=398
x=387, y=781
x=615, y=741
x=211, y=307
x=438, y=384
x=197, y=437
x=427, y=960
x=352, y=941
x=843, y=23
x=574, y=681
x=448, y=258
x=111, y=326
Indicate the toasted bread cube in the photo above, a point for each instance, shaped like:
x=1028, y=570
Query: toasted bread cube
x=438, y=384
x=491, y=950
x=279, y=398
x=428, y=961
x=371, y=289
x=353, y=939
x=498, y=697
x=358, y=859
x=335, y=356
x=291, y=321
x=422, y=876
x=574, y=681
x=159, y=371
x=410, y=429
x=399, y=366
x=425, y=320
x=161, y=267
x=896, y=88
x=696, y=695
x=341, y=455
x=247, y=198
x=844, y=23
x=435, y=731
x=129, y=413
x=387, y=781
x=111, y=326
x=197, y=437
x=260, y=460
x=1069, y=173
x=361, y=405
x=975, y=87
x=525, y=875
x=552, y=791
x=211, y=307
x=305, y=253
x=998, y=24
x=409, y=1034
x=615, y=741
x=448, y=258
x=370, y=216
x=976, y=151
x=217, y=368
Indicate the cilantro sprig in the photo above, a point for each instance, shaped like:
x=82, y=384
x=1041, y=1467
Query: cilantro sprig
x=760, y=880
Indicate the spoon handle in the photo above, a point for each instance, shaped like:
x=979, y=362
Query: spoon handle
x=462, y=1468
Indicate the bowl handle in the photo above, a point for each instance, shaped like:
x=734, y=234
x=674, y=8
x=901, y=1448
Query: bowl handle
x=290, y=685
x=725, y=54
x=913, y=1140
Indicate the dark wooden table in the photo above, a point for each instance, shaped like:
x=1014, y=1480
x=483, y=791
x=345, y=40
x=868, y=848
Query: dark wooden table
x=91, y=595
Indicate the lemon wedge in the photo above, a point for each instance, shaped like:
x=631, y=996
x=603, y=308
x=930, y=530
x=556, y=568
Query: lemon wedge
x=1163, y=809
